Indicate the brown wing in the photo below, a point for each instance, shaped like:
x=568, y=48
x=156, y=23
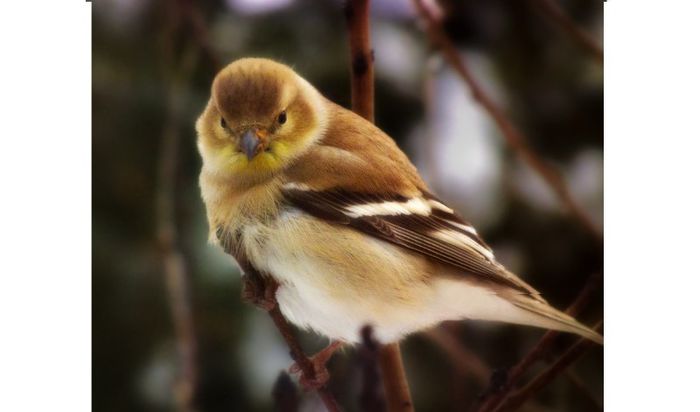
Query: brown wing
x=422, y=224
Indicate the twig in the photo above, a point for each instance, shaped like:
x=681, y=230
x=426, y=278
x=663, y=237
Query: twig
x=371, y=397
x=174, y=267
x=398, y=395
x=195, y=21
x=262, y=291
x=580, y=385
x=559, y=18
x=540, y=381
x=465, y=361
x=362, y=58
x=297, y=353
x=513, y=136
x=494, y=399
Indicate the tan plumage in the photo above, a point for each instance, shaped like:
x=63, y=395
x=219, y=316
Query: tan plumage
x=309, y=193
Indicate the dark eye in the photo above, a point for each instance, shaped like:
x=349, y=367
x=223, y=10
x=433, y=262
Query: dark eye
x=282, y=118
x=223, y=123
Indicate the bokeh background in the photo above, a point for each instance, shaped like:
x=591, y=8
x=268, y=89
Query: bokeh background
x=152, y=55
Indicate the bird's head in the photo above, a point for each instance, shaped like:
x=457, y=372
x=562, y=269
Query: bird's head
x=261, y=115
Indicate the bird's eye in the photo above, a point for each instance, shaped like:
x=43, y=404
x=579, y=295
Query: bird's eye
x=223, y=123
x=282, y=118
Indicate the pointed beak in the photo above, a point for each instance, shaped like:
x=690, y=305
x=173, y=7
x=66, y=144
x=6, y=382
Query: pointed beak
x=250, y=144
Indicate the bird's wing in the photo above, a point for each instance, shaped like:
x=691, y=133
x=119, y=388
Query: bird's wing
x=422, y=224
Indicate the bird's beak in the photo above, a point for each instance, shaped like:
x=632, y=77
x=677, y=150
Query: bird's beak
x=253, y=142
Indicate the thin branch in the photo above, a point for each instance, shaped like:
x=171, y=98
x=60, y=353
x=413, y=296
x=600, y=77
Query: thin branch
x=362, y=58
x=492, y=400
x=194, y=19
x=176, y=75
x=558, y=17
x=464, y=360
x=518, y=398
x=580, y=385
x=297, y=353
x=262, y=290
x=398, y=395
x=515, y=139
x=371, y=397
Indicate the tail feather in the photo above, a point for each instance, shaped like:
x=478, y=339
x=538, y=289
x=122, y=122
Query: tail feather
x=548, y=317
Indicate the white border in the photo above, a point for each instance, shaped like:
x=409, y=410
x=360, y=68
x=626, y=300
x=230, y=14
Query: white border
x=45, y=179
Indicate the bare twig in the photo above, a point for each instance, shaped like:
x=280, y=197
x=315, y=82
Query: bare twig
x=263, y=288
x=540, y=381
x=362, y=58
x=513, y=136
x=465, y=361
x=398, y=395
x=580, y=385
x=174, y=267
x=194, y=19
x=371, y=397
x=553, y=11
x=496, y=397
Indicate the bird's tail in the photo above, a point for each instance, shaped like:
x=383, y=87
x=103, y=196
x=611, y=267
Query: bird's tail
x=545, y=316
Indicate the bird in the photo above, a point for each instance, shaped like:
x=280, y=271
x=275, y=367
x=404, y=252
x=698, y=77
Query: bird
x=308, y=194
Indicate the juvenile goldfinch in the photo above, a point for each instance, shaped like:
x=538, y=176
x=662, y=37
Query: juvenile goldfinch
x=304, y=191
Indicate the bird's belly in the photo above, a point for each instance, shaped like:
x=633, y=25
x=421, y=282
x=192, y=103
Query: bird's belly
x=335, y=280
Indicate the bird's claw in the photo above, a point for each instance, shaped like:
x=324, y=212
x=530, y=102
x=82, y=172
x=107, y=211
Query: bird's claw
x=259, y=292
x=319, y=361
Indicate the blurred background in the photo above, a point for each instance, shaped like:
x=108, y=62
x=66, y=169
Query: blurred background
x=153, y=61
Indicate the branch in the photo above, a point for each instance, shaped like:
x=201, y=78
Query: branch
x=371, y=398
x=398, y=395
x=176, y=75
x=200, y=34
x=515, y=139
x=518, y=398
x=464, y=360
x=362, y=57
x=492, y=400
x=553, y=11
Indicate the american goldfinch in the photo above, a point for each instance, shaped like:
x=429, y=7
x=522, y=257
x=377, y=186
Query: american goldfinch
x=314, y=196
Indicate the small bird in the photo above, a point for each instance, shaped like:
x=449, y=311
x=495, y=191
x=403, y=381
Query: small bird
x=315, y=197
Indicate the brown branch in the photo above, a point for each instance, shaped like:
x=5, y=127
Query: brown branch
x=580, y=385
x=362, y=58
x=371, y=397
x=492, y=400
x=553, y=11
x=465, y=361
x=262, y=290
x=297, y=353
x=398, y=394
x=515, y=139
x=176, y=75
x=396, y=388
x=518, y=398
x=194, y=19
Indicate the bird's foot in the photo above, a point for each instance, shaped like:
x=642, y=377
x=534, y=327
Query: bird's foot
x=259, y=292
x=319, y=360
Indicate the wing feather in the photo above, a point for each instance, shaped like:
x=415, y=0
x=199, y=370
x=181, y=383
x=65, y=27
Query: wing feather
x=422, y=224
